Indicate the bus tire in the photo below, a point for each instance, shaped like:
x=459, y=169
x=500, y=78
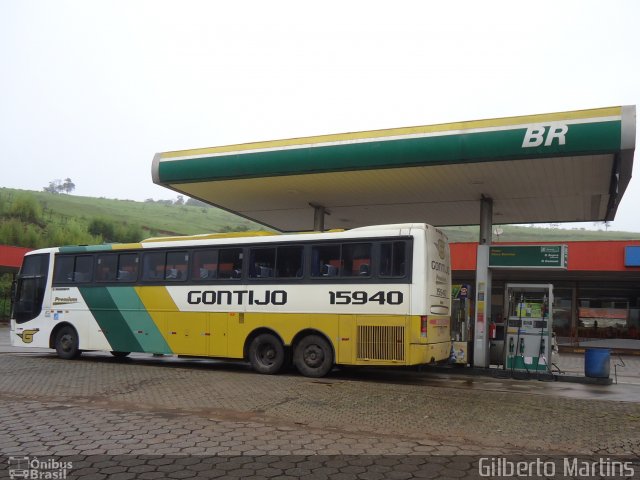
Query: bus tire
x=266, y=354
x=313, y=356
x=120, y=354
x=67, y=345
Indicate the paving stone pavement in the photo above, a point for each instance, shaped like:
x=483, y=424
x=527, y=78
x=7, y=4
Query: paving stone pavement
x=149, y=418
x=482, y=412
x=123, y=444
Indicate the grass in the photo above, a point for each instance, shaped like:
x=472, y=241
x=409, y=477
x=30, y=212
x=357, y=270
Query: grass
x=154, y=218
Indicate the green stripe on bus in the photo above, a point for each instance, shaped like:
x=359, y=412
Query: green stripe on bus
x=581, y=139
x=110, y=319
x=138, y=320
x=85, y=248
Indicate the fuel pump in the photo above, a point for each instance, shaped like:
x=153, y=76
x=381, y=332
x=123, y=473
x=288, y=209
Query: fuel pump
x=529, y=327
x=461, y=324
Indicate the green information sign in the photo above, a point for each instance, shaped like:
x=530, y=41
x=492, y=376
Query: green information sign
x=529, y=256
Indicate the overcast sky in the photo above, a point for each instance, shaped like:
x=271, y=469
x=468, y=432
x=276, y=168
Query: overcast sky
x=93, y=89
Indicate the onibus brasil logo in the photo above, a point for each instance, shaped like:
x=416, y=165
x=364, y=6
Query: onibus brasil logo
x=38, y=469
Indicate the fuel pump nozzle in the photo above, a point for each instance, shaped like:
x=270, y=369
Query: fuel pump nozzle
x=519, y=340
x=545, y=324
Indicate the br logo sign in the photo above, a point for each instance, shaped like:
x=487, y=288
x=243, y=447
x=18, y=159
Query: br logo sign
x=536, y=136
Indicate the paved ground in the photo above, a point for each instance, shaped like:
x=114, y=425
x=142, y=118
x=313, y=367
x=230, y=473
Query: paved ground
x=624, y=368
x=151, y=417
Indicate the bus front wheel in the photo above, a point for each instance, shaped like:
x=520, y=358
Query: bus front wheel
x=67, y=345
x=313, y=356
x=266, y=354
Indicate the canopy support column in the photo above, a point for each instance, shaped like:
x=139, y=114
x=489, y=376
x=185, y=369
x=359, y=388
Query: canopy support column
x=318, y=217
x=483, y=286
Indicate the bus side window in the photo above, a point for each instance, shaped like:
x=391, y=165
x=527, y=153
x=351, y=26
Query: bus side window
x=107, y=266
x=177, y=263
x=153, y=266
x=127, y=267
x=289, y=262
x=63, y=270
x=205, y=265
x=399, y=259
x=325, y=260
x=230, y=263
x=393, y=259
x=262, y=262
x=356, y=259
x=83, y=269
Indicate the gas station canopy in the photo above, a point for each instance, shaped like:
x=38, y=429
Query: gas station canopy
x=558, y=167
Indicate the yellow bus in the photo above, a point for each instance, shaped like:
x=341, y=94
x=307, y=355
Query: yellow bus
x=375, y=295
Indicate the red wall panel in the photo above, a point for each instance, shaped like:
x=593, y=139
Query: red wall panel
x=607, y=256
x=11, y=257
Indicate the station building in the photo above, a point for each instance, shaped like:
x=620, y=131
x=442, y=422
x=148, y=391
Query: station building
x=596, y=294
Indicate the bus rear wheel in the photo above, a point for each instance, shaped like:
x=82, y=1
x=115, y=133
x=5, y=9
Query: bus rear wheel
x=266, y=354
x=67, y=345
x=313, y=356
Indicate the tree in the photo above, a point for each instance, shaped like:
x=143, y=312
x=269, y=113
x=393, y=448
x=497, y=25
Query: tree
x=197, y=203
x=68, y=185
x=105, y=228
x=58, y=186
x=112, y=231
x=54, y=186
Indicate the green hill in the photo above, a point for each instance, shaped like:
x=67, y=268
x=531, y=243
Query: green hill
x=41, y=219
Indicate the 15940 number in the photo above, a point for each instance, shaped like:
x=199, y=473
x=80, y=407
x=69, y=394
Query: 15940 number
x=346, y=297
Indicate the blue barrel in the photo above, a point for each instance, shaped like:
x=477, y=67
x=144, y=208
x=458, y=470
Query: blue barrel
x=596, y=362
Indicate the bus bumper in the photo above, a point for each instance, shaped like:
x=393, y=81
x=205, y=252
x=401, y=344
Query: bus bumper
x=420, y=354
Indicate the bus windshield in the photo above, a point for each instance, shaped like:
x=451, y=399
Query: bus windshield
x=30, y=287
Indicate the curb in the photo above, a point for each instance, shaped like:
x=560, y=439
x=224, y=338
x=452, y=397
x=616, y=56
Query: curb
x=517, y=375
